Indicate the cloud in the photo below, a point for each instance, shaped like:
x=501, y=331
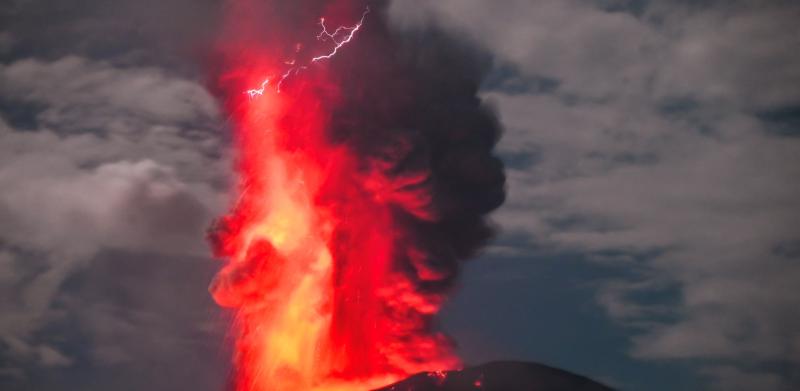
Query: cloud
x=112, y=160
x=102, y=159
x=735, y=52
x=131, y=33
x=734, y=379
x=6, y=42
x=644, y=149
x=80, y=94
x=592, y=52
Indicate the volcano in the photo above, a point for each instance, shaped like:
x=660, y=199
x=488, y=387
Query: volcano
x=499, y=376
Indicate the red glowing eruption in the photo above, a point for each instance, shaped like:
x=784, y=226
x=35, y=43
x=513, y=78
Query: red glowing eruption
x=310, y=242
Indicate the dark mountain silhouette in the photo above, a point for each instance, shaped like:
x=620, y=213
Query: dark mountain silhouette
x=499, y=376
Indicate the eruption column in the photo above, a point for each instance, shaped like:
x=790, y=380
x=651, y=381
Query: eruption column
x=345, y=238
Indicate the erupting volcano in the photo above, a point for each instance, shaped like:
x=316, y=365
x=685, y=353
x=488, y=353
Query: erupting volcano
x=365, y=172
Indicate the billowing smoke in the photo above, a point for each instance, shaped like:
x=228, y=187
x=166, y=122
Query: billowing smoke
x=364, y=183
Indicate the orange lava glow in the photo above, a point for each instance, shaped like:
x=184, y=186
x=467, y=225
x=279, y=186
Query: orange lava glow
x=309, y=247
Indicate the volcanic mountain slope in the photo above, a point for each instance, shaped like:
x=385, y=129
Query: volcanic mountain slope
x=499, y=376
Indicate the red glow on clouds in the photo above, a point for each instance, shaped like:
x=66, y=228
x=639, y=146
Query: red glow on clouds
x=310, y=243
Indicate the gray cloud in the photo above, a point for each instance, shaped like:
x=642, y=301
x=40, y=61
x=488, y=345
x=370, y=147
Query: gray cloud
x=122, y=159
x=647, y=152
x=152, y=32
x=112, y=161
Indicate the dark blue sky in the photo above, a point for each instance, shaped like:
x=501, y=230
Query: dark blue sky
x=542, y=308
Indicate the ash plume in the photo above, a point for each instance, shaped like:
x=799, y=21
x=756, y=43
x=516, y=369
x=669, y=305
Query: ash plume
x=394, y=154
x=410, y=110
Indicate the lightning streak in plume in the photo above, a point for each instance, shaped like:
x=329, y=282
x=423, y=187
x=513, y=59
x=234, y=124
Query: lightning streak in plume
x=324, y=35
x=258, y=91
x=285, y=75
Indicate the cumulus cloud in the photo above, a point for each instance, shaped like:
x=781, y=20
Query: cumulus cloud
x=635, y=138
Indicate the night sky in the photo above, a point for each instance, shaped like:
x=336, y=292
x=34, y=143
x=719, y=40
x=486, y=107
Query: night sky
x=650, y=238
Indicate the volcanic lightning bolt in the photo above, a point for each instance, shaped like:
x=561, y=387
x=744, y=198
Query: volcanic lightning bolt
x=340, y=42
x=324, y=35
x=344, y=240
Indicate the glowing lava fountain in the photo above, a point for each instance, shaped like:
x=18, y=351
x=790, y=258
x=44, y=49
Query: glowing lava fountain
x=338, y=251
